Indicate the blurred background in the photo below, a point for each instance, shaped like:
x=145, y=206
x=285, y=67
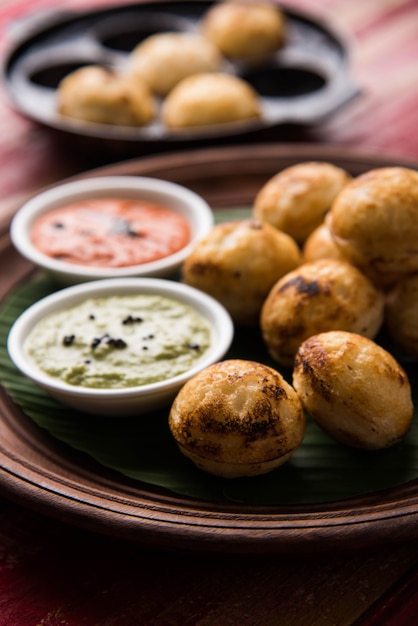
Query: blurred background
x=382, y=49
x=54, y=575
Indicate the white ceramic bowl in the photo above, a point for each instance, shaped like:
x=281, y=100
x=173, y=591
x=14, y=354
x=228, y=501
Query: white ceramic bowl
x=165, y=193
x=127, y=401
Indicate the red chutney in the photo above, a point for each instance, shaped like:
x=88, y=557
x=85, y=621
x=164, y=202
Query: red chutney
x=110, y=232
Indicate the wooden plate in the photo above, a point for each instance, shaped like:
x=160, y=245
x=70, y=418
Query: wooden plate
x=39, y=472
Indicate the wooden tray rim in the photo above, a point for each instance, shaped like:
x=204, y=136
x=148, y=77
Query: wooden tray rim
x=39, y=473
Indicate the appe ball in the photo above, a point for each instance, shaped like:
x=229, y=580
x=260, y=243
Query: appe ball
x=316, y=297
x=401, y=314
x=237, y=418
x=297, y=199
x=244, y=30
x=97, y=94
x=321, y=245
x=374, y=221
x=162, y=60
x=353, y=389
x=206, y=99
x=238, y=262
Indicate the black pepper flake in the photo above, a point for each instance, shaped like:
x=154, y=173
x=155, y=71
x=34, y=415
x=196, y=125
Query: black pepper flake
x=96, y=341
x=193, y=346
x=58, y=225
x=117, y=343
x=68, y=340
x=123, y=227
x=113, y=342
x=92, y=316
x=132, y=320
x=87, y=361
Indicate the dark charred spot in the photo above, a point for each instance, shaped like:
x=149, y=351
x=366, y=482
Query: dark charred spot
x=255, y=426
x=308, y=287
x=211, y=450
x=274, y=391
x=261, y=422
x=319, y=385
x=210, y=424
x=312, y=366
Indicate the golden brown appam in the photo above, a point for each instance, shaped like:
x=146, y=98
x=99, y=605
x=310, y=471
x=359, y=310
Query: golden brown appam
x=297, y=198
x=238, y=262
x=237, y=418
x=354, y=389
x=323, y=295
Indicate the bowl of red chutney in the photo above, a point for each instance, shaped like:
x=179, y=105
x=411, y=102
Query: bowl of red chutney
x=111, y=227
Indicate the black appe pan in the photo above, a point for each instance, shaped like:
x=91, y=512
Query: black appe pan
x=301, y=84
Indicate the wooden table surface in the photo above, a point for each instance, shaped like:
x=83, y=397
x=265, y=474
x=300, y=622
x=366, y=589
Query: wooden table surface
x=54, y=574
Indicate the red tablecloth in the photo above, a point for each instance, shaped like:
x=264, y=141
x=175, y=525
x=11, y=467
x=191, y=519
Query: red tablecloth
x=52, y=574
